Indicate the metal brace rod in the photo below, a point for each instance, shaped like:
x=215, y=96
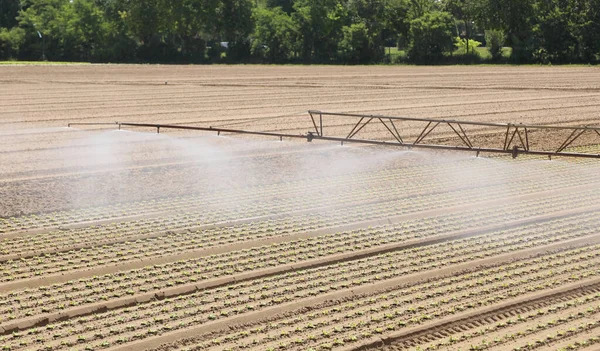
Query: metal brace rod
x=422, y=136
x=313, y=121
x=511, y=138
x=461, y=138
x=351, y=135
x=566, y=144
x=398, y=133
x=506, y=137
x=521, y=138
x=422, y=132
x=354, y=128
x=321, y=123
x=465, y=134
x=389, y=130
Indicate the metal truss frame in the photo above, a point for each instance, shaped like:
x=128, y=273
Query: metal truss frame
x=517, y=137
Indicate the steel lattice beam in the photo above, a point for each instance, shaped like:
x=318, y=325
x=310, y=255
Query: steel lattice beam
x=517, y=137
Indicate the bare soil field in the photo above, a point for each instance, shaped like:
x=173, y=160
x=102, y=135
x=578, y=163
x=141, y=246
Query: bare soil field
x=185, y=240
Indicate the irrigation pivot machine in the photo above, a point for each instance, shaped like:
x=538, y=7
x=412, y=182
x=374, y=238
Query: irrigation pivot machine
x=428, y=133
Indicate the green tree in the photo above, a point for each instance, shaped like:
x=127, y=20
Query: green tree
x=319, y=24
x=286, y=5
x=397, y=21
x=419, y=8
x=431, y=37
x=364, y=38
x=327, y=31
x=11, y=41
x=146, y=19
x=82, y=30
x=41, y=21
x=553, y=31
x=148, y=22
x=467, y=11
x=194, y=23
x=589, y=30
x=274, y=34
x=495, y=42
x=9, y=9
x=569, y=30
x=235, y=26
x=515, y=18
x=356, y=44
x=121, y=45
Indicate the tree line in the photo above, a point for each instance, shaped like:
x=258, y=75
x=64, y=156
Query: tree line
x=301, y=31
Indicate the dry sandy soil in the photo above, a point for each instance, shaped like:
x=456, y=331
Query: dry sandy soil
x=130, y=240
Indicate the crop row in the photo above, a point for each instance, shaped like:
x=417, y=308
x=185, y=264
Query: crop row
x=190, y=271
x=241, y=209
x=87, y=258
x=360, y=179
x=405, y=179
x=17, y=295
x=90, y=235
x=566, y=333
x=524, y=325
x=21, y=304
x=359, y=318
x=101, y=234
x=95, y=256
x=362, y=318
x=582, y=343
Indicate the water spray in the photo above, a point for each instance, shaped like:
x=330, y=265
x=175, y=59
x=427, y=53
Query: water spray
x=517, y=137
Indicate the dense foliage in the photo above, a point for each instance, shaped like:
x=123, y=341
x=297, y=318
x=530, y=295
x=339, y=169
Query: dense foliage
x=303, y=31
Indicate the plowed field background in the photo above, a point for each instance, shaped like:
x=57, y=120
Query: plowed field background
x=132, y=240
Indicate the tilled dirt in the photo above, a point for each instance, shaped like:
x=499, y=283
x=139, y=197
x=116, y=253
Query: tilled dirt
x=136, y=189
x=38, y=102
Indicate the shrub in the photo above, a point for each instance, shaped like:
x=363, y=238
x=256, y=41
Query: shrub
x=10, y=42
x=461, y=46
x=431, y=37
x=495, y=41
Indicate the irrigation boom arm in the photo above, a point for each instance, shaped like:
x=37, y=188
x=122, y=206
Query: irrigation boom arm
x=516, y=137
